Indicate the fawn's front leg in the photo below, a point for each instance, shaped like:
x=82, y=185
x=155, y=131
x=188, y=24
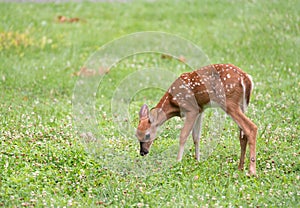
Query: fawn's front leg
x=196, y=133
x=185, y=131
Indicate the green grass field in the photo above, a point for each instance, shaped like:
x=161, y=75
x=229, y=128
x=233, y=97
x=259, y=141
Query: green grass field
x=43, y=162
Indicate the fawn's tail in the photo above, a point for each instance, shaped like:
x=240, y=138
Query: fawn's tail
x=247, y=85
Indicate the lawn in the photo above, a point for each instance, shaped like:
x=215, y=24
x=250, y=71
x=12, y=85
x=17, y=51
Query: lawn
x=48, y=160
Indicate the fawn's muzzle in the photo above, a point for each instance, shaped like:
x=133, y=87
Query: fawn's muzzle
x=143, y=150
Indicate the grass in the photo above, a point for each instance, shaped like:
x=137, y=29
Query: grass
x=42, y=159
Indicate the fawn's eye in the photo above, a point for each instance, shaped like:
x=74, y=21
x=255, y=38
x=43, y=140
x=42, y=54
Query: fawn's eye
x=147, y=136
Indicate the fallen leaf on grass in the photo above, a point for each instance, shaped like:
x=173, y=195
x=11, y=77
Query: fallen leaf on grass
x=167, y=56
x=103, y=70
x=182, y=59
x=90, y=72
x=63, y=19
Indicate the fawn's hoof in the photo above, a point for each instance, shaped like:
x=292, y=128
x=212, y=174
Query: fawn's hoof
x=251, y=174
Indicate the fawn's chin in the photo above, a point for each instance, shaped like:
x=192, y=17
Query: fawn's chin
x=144, y=153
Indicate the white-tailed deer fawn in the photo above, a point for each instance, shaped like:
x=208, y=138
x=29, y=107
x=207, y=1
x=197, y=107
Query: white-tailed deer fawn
x=224, y=85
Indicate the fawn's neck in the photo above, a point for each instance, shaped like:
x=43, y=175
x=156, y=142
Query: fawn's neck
x=165, y=109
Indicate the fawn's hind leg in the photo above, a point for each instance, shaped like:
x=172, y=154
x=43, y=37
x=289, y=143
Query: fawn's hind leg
x=250, y=131
x=243, y=144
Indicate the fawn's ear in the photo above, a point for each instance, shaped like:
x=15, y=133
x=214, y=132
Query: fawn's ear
x=152, y=116
x=144, y=112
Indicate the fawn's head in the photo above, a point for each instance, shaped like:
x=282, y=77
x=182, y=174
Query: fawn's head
x=146, y=130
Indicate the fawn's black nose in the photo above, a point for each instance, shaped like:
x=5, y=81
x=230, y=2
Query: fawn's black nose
x=143, y=151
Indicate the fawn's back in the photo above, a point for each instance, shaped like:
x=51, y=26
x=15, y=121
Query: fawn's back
x=213, y=84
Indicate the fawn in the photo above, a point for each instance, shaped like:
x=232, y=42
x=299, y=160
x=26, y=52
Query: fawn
x=224, y=85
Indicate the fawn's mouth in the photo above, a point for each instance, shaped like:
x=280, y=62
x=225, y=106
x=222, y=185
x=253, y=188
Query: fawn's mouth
x=143, y=151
